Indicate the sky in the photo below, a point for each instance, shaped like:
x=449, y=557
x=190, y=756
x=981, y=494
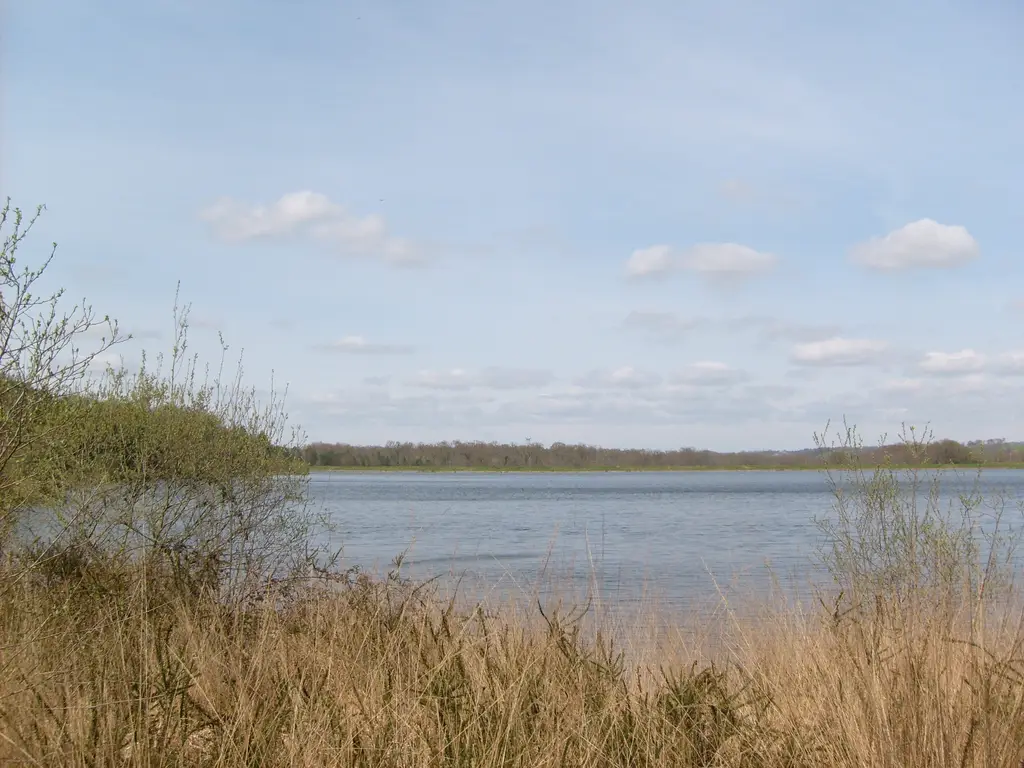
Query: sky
x=655, y=224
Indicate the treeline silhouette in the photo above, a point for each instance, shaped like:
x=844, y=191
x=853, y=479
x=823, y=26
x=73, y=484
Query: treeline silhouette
x=482, y=455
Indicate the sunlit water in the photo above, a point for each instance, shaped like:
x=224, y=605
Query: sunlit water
x=679, y=537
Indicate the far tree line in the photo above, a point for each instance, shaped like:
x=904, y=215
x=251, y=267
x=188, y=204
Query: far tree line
x=530, y=455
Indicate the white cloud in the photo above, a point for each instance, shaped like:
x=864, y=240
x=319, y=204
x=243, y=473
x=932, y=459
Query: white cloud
x=235, y=221
x=717, y=260
x=953, y=406
x=313, y=216
x=488, y=378
x=709, y=373
x=775, y=328
x=726, y=258
x=774, y=392
x=920, y=244
x=618, y=408
x=839, y=352
x=625, y=377
x=358, y=345
x=514, y=378
x=953, y=363
x=665, y=324
x=976, y=383
x=1010, y=363
x=650, y=261
x=567, y=414
x=671, y=326
x=456, y=378
x=900, y=386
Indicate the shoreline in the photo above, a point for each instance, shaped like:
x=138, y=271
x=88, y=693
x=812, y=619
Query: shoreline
x=625, y=470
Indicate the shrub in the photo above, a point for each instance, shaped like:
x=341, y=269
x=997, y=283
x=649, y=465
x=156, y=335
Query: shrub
x=168, y=463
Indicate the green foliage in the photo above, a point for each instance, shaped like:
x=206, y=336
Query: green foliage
x=168, y=464
x=891, y=539
x=40, y=360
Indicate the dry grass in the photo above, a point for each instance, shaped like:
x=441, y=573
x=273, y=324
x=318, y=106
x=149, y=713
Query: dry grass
x=106, y=668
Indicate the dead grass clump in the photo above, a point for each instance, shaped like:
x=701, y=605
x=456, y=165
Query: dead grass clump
x=384, y=673
x=368, y=673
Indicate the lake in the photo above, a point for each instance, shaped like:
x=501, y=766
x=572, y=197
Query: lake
x=676, y=536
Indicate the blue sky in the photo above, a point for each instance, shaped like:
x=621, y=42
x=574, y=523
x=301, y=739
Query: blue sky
x=660, y=224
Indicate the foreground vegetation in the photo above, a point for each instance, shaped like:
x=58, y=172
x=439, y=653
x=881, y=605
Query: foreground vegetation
x=175, y=613
x=124, y=670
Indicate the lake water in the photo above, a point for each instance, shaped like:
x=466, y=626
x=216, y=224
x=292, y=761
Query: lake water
x=673, y=535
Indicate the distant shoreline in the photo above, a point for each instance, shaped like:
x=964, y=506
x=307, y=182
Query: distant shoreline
x=606, y=470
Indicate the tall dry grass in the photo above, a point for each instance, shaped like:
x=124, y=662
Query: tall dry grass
x=117, y=665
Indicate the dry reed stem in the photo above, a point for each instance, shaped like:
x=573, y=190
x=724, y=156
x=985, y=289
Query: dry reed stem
x=372, y=675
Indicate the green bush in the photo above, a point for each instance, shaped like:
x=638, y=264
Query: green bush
x=157, y=463
x=892, y=542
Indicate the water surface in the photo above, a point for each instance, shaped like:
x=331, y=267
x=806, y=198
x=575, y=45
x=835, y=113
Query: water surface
x=676, y=535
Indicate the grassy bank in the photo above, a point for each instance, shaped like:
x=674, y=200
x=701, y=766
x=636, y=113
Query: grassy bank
x=117, y=667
